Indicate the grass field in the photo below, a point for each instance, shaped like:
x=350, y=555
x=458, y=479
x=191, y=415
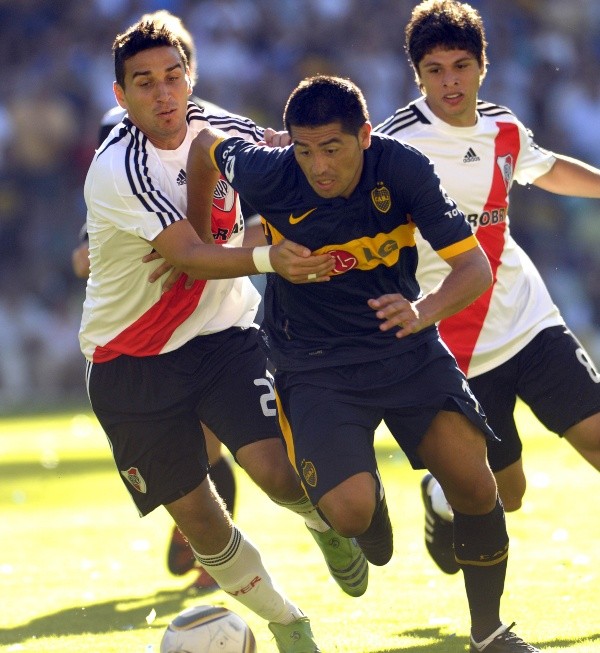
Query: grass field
x=79, y=571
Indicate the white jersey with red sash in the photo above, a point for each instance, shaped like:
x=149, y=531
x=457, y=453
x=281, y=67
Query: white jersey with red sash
x=477, y=166
x=133, y=191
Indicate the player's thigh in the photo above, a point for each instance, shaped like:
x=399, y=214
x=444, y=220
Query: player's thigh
x=328, y=434
x=559, y=381
x=415, y=407
x=267, y=464
x=454, y=450
x=213, y=445
x=239, y=403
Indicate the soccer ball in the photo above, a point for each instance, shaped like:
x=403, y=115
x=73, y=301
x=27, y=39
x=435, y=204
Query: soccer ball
x=208, y=629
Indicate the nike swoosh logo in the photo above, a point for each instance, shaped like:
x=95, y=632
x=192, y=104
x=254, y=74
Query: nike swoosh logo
x=296, y=220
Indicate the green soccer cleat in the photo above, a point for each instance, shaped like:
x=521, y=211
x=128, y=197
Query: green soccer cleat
x=296, y=637
x=345, y=560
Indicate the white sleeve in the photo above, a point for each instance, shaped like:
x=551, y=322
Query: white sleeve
x=534, y=161
x=130, y=202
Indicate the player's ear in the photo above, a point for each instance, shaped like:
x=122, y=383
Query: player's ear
x=364, y=135
x=482, y=72
x=188, y=79
x=119, y=95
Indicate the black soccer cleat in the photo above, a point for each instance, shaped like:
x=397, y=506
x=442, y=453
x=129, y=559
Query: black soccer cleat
x=377, y=542
x=503, y=641
x=439, y=533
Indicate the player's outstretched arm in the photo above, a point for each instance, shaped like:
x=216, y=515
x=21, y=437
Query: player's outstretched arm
x=572, y=177
x=180, y=246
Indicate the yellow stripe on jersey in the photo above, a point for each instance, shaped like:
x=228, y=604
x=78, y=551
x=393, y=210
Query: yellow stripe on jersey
x=458, y=248
x=369, y=251
x=211, y=151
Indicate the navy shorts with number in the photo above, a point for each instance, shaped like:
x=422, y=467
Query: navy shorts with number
x=150, y=409
x=553, y=375
x=329, y=416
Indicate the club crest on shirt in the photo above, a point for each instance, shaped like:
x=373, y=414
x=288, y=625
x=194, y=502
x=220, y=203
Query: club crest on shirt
x=507, y=168
x=381, y=198
x=224, y=197
x=309, y=472
x=134, y=478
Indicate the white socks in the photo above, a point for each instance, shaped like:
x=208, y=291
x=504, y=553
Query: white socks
x=239, y=571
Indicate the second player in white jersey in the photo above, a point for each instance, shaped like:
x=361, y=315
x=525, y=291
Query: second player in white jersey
x=477, y=166
x=512, y=341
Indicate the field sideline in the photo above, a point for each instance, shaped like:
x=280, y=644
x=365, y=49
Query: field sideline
x=80, y=571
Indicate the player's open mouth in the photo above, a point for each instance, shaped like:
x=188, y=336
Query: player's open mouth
x=324, y=183
x=453, y=98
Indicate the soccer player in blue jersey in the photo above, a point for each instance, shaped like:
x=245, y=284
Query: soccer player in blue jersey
x=364, y=346
x=159, y=360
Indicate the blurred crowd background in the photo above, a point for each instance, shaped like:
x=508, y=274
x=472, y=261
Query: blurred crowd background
x=57, y=83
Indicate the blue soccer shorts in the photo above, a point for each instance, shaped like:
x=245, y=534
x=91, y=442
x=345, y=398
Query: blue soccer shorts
x=328, y=416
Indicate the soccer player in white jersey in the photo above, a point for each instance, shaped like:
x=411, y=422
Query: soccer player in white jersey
x=180, y=558
x=512, y=341
x=157, y=362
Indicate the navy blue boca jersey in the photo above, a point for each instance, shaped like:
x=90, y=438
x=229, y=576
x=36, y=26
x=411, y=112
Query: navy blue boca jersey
x=370, y=234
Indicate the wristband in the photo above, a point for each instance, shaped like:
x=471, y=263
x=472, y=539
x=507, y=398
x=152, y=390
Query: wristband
x=261, y=259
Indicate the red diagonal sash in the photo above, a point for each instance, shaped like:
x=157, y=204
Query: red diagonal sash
x=461, y=331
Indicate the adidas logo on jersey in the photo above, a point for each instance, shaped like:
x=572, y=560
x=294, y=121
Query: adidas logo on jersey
x=181, y=178
x=470, y=156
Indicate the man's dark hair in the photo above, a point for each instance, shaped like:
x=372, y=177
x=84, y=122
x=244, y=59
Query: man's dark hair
x=175, y=24
x=445, y=24
x=321, y=100
x=142, y=36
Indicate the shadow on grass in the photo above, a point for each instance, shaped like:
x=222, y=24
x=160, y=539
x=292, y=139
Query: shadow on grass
x=117, y=615
x=451, y=644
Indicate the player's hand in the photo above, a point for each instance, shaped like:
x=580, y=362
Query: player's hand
x=298, y=264
x=276, y=139
x=396, y=311
x=162, y=269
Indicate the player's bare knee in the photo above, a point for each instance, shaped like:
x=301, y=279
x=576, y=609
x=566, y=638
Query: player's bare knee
x=584, y=437
x=350, y=523
x=473, y=496
x=511, y=503
x=349, y=517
